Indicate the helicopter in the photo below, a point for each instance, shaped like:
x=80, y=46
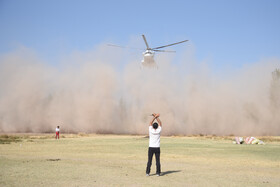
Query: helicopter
x=148, y=55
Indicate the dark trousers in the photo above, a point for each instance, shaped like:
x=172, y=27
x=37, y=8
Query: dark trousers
x=151, y=152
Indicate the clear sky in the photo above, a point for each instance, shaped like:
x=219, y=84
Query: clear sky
x=233, y=32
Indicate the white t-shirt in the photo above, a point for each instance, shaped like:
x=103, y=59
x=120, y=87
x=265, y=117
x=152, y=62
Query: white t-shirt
x=154, y=134
x=57, y=129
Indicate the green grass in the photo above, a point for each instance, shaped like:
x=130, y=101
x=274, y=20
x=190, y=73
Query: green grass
x=115, y=160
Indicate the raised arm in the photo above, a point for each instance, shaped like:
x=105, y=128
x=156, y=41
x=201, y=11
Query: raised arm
x=157, y=117
x=152, y=121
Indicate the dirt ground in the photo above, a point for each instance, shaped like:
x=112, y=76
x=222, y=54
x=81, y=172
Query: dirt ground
x=118, y=160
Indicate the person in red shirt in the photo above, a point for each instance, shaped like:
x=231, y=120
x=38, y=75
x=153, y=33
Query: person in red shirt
x=57, y=132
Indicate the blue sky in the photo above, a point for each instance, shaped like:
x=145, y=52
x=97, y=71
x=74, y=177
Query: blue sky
x=227, y=33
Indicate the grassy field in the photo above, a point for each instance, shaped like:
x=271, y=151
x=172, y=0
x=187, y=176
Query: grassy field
x=117, y=160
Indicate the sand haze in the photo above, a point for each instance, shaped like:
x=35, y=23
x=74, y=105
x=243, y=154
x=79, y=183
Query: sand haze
x=91, y=94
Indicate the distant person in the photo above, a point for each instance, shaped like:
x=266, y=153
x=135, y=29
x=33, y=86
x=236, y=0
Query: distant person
x=57, y=132
x=154, y=144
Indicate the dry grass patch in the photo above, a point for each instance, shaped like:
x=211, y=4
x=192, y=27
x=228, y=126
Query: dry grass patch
x=7, y=139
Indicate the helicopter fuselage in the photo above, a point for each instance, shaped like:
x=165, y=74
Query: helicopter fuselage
x=148, y=59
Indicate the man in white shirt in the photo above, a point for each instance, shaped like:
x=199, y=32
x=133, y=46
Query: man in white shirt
x=154, y=144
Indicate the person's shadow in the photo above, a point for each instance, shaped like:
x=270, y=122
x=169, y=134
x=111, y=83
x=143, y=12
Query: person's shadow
x=168, y=172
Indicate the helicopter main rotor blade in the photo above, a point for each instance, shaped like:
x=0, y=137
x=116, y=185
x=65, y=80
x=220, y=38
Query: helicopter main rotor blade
x=113, y=45
x=145, y=41
x=156, y=50
x=170, y=44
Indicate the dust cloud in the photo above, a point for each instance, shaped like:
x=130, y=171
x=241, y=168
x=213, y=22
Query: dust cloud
x=88, y=92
